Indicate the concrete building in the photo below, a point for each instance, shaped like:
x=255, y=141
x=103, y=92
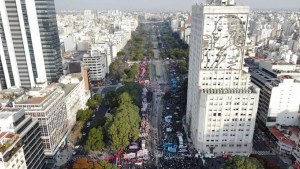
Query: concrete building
x=29, y=43
x=22, y=132
x=75, y=95
x=278, y=100
x=221, y=103
x=285, y=138
x=96, y=63
x=49, y=107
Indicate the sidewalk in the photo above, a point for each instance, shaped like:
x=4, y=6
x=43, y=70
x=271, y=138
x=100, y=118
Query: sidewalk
x=64, y=156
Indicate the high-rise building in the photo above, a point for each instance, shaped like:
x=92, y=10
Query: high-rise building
x=22, y=133
x=29, y=43
x=279, y=92
x=48, y=106
x=222, y=103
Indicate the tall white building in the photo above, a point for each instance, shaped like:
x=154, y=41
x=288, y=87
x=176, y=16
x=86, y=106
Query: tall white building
x=222, y=103
x=279, y=93
x=29, y=43
x=49, y=107
x=22, y=133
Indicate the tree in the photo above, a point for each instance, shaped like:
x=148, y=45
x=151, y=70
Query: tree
x=84, y=163
x=135, y=69
x=240, y=162
x=98, y=97
x=81, y=163
x=84, y=115
x=121, y=53
x=123, y=126
x=182, y=65
x=107, y=165
x=75, y=133
x=112, y=99
x=95, y=139
x=133, y=89
x=100, y=122
x=268, y=164
x=91, y=103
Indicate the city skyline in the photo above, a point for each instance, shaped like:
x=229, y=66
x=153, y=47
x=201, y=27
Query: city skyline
x=165, y=5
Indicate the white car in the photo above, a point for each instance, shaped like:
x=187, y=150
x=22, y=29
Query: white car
x=93, y=116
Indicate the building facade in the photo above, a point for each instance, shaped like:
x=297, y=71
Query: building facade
x=221, y=103
x=48, y=106
x=14, y=122
x=75, y=95
x=96, y=63
x=29, y=43
x=278, y=103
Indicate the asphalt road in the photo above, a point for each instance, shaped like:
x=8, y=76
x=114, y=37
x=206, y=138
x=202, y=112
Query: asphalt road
x=158, y=103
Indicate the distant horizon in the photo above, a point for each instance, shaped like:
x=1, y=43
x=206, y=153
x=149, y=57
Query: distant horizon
x=167, y=5
x=149, y=10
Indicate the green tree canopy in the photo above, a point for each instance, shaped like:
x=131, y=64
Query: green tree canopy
x=84, y=115
x=107, y=165
x=123, y=126
x=133, y=89
x=95, y=139
x=121, y=53
x=91, y=103
x=98, y=97
x=240, y=162
x=112, y=99
x=268, y=164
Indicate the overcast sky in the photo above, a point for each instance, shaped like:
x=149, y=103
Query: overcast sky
x=166, y=4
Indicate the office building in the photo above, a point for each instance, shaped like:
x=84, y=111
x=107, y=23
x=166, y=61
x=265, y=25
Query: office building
x=29, y=43
x=279, y=93
x=48, y=106
x=96, y=63
x=221, y=103
x=23, y=136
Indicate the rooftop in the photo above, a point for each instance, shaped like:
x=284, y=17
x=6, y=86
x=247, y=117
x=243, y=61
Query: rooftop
x=33, y=100
x=68, y=87
x=6, y=140
x=6, y=112
x=289, y=138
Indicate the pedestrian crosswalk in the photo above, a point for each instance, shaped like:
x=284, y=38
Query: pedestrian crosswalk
x=263, y=153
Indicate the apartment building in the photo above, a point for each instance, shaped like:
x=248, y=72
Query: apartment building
x=278, y=100
x=21, y=143
x=96, y=63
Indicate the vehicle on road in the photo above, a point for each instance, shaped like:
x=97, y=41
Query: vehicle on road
x=93, y=115
x=88, y=124
x=209, y=155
